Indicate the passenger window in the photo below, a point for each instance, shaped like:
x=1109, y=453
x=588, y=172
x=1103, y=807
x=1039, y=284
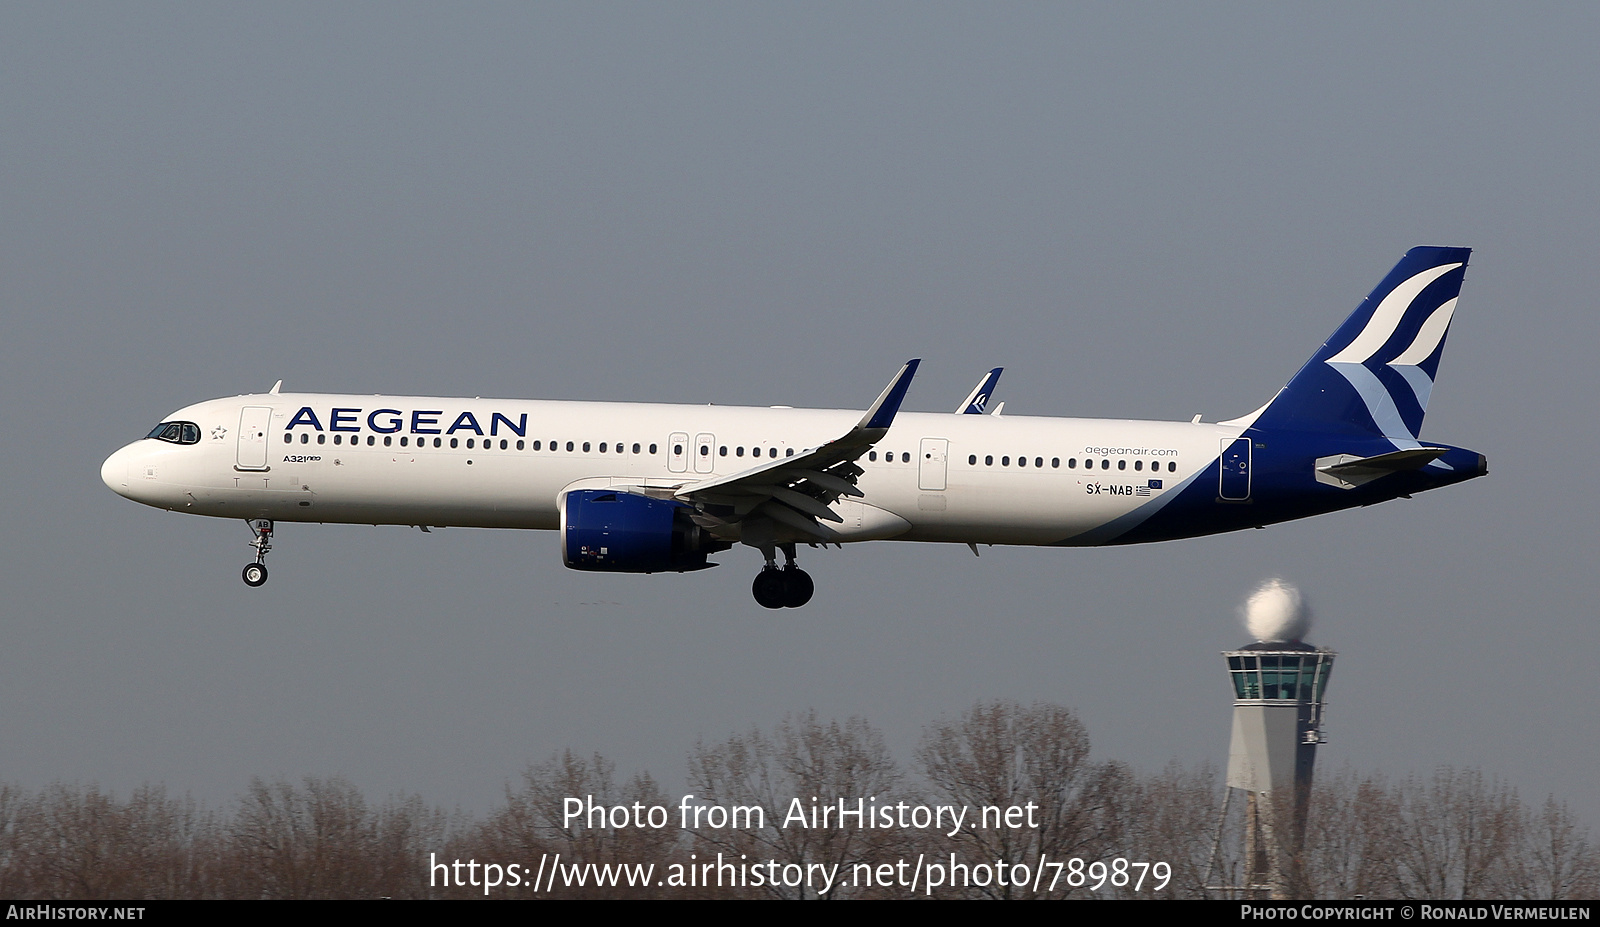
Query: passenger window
x=972, y=460
x=738, y=452
x=1122, y=465
x=1022, y=461
x=905, y=456
x=537, y=445
x=502, y=443
x=1138, y=465
x=636, y=448
x=722, y=451
x=305, y=438
x=404, y=440
x=1038, y=461
x=1172, y=466
x=520, y=444
x=456, y=442
x=988, y=460
x=1055, y=462
x=569, y=444
x=372, y=439
x=585, y=446
x=388, y=440
x=287, y=437
x=1105, y=465
x=872, y=455
x=788, y=452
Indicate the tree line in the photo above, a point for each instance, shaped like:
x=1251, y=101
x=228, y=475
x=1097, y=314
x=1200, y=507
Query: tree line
x=1453, y=834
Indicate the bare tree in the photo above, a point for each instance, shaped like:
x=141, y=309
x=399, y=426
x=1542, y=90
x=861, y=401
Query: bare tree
x=1001, y=755
x=320, y=840
x=1455, y=834
x=759, y=782
x=70, y=842
x=534, y=825
x=1172, y=817
x=1558, y=861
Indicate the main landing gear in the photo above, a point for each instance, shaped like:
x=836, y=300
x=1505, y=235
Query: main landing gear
x=789, y=587
x=256, y=573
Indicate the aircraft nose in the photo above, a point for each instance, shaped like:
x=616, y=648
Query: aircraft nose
x=114, y=472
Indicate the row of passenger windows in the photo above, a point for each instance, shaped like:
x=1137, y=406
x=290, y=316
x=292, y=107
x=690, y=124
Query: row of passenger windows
x=471, y=443
x=187, y=433
x=604, y=447
x=1072, y=463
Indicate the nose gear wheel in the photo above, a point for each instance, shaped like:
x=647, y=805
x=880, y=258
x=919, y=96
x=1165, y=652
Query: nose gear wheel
x=256, y=573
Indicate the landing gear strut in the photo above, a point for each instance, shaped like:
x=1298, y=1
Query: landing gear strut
x=256, y=573
x=789, y=587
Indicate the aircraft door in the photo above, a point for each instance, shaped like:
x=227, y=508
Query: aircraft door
x=678, y=452
x=705, y=449
x=1234, y=480
x=932, y=461
x=254, y=422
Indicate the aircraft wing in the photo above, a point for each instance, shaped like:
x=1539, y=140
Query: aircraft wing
x=797, y=491
x=978, y=400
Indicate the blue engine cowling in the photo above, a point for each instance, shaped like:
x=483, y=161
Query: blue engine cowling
x=613, y=531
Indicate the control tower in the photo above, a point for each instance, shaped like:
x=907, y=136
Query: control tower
x=1278, y=687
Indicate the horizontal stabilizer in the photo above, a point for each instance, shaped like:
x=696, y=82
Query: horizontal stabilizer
x=1347, y=471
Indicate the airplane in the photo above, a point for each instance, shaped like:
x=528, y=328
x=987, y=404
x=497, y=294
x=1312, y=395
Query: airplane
x=650, y=488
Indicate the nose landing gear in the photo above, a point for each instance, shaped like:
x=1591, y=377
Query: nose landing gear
x=256, y=573
x=789, y=587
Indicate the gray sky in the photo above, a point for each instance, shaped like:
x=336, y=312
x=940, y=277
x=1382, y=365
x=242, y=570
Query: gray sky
x=1142, y=211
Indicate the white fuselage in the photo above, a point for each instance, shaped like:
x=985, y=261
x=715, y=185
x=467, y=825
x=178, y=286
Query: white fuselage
x=406, y=461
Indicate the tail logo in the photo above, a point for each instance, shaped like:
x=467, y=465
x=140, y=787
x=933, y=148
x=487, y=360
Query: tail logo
x=1354, y=361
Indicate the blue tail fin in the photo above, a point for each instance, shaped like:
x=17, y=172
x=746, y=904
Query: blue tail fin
x=1375, y=374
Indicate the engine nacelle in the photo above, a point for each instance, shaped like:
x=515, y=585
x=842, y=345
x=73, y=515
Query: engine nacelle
x=615, y=531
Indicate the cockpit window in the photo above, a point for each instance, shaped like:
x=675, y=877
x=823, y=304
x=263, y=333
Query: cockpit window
x=176, y=432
